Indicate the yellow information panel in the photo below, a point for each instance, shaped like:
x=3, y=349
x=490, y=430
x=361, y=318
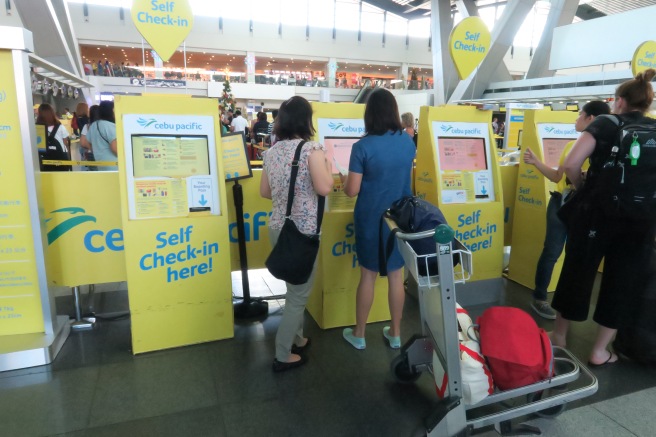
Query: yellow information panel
x=469, y=43
x=164, y=24
x=546, y=133
x=332, y=302
x=20, y=300
x=85, y=233
x=456, y=171
x=235, y=159
x=178, y=268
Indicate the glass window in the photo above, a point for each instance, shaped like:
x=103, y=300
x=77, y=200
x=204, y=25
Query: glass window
x=420, y=28
x=396, y=25
x=321, y=13
x=347, y=14
x=372, y=19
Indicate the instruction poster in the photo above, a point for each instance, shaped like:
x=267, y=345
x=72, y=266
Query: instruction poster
x=235, y=160
x=171, y=165
x=464, y=162
x=553, y=139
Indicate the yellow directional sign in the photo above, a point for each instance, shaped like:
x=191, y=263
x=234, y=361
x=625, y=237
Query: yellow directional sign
x=644, y=57
x=468, y=44
x=163, y=24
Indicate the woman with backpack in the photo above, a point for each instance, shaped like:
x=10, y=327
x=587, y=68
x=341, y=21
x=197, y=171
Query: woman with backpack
x=606, y=219
x=57, y=138
x=379, y=174
x=101, y=135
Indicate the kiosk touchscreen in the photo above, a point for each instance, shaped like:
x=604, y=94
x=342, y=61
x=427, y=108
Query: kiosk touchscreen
x=547, y=133
x=457, y=171
x=41, y=137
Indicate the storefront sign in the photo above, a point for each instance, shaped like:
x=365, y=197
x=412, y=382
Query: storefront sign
x=644, y=57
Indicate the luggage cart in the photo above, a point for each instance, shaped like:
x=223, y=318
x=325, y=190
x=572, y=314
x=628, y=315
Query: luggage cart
x=439, y=342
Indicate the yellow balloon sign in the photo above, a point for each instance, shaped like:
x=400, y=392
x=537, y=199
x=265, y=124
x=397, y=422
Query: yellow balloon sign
x=644, y=57
x=163, y=24
x=468, y=44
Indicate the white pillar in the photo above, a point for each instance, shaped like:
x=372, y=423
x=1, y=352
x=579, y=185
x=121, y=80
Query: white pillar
x=250, y=67
x=331, y=72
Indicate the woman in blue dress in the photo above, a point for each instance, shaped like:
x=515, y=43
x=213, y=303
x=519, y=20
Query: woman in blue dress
x=379, y=173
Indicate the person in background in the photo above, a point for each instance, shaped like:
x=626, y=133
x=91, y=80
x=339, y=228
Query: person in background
x=408, y=123
x=260, y=128
x=379, y=174
x=556, y=231
x=495, y=125
x=239, y=123
x=48, y=117
x=313, y=180
x=626, y=244
x=272, y=137
x=85, y=145
x=102, y=136
x=67, y=114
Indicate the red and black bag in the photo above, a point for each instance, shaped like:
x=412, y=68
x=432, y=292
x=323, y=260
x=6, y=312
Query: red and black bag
x=518, y=351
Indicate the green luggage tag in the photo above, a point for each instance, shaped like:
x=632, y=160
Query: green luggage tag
x=634, y=151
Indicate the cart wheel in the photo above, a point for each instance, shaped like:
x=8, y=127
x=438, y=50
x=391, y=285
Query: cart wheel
x=547, y=413
x=401, y=370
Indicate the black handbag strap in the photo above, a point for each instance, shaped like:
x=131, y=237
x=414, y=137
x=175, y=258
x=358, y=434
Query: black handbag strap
x=292, y=183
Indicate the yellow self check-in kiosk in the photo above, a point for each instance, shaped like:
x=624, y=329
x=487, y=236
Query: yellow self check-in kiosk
x=458, y=171
x=332, y=302
x=175, y=221
x=546, y=133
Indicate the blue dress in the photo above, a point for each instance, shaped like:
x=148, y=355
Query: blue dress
x=385, y=163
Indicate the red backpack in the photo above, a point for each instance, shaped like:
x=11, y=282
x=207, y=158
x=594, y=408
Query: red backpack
x=517, y=351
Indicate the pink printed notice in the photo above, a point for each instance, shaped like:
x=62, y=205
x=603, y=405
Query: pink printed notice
x=339, y=148
x=462, y=154
x=553, y=149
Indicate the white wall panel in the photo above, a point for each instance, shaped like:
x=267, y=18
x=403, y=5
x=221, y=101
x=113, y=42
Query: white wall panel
x=602, y=40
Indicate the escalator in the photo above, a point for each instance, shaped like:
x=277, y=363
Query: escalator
x=364, y=92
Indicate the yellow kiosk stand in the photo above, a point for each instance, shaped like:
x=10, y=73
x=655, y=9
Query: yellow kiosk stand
x=458, y=171
x=31, y=334
x=175, y=221
x=332, y=302
x=546, y=133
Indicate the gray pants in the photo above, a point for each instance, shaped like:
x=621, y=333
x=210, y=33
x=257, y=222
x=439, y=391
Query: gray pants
x=290, y=330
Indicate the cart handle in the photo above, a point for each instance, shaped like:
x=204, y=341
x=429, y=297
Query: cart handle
x=442, y=234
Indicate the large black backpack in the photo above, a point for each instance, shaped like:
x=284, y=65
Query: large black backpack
x=625, y=187
x=54, y=152
x=412, y=214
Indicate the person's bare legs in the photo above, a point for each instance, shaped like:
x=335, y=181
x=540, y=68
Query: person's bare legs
x=364, y=299
x=600, y=353
x=559, y=334
x=396, y=298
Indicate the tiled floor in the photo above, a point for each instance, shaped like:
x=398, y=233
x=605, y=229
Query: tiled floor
x=97, y=387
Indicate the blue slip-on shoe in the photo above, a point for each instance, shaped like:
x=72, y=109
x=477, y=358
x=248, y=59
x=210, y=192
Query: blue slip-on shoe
x=356, y=342
x=394, y=342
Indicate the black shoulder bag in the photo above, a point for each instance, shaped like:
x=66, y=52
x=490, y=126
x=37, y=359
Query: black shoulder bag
x=293, y=256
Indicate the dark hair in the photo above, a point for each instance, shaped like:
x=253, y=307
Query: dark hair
x=596, y=108
x=106, y=111
x=294, y=120
x=45, y=110
x=94, y=113
x=638, y=93
x=237, y=112
x=381, y=113
x=261, y=116
x=274, y=113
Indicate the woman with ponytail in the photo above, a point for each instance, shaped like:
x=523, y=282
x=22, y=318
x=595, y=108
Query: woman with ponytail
x=625, y=243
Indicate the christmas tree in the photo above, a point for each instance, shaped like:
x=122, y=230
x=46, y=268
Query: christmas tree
x=226, y=101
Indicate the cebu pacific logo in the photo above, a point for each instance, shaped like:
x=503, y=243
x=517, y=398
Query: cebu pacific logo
x=145, y=123
x=335, y=126
x=549, y=129
x=554, y=130
x=61, y=221
x=77, y=217
x=452, y=130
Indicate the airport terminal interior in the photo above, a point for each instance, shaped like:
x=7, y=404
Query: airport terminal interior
x=134, y=294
